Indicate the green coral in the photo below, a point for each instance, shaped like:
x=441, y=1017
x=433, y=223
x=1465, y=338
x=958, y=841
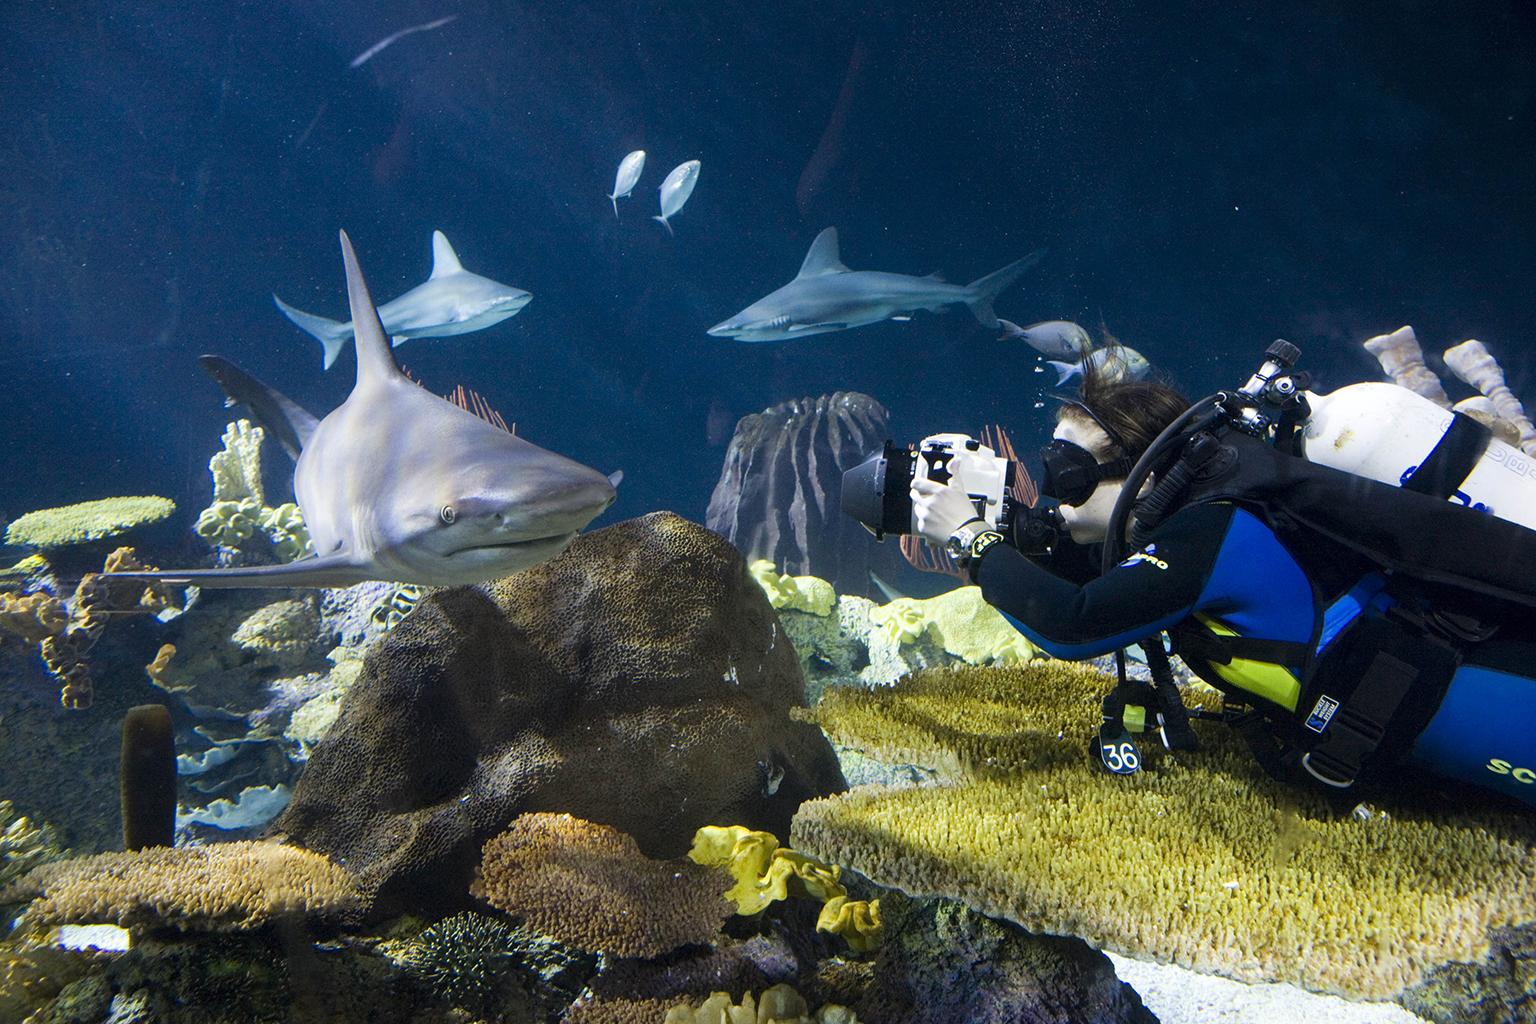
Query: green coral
x=228, y=523
x=285, y=527
x=1200, y=859
x=236, y=468
x=88, y=521
x=799, y=593
x=960, y=620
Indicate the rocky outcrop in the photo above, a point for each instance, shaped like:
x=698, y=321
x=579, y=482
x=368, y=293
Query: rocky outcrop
x=778, y=493
x=639, y=680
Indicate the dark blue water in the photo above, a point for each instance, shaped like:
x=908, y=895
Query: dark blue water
x=1206, y=179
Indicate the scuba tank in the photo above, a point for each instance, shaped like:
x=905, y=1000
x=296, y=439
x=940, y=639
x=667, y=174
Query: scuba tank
x=1385, y=432
x=1424, y=496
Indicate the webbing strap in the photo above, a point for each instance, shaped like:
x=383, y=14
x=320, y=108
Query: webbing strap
x=1360, y=723
x=1457, y=452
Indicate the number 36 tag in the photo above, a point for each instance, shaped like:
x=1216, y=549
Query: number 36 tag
x=1118, y=752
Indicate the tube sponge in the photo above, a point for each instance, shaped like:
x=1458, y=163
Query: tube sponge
x=1473, y=363
x=1403, y=360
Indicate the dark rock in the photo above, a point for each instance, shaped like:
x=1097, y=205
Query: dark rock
x=638, y=680
x=778, y=496
x=941, y=962
x=1500, y=988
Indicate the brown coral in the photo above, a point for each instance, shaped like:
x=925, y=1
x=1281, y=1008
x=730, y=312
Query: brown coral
x=640, y=680
x=226, y=887
x=65, y=635
x=589, y=886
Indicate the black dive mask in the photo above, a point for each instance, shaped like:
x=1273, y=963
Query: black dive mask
x=1072, y=473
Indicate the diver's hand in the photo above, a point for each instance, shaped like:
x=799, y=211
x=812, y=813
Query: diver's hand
x=938, y=510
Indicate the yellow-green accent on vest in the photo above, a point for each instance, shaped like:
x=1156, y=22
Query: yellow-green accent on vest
x=1274, y=683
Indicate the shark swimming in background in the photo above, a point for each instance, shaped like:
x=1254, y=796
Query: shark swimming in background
x=827, y=296
x=451, y=301
x=398, y=484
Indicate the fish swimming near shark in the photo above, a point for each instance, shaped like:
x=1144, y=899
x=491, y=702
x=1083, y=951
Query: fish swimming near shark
x=1058, y=339
x=675, y=190
x=626, y=178
x=1114, y=363
x=398, y=484
x=827, y=296
x=451, y=301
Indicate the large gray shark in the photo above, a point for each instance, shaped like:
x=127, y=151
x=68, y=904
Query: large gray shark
x=827, y=296
x=451, y=301
x=399, y=484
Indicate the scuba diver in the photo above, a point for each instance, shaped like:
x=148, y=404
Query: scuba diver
x=1328, y=608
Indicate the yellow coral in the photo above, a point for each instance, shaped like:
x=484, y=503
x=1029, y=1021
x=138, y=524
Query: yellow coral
x=798, y=593
x=162, y=661
x=227, y=523
x=780, y=1004
x=285, y=527
x=903, y=620
x=88, y=521
x=1200, y=859
x=764, y=872
x=960, y=620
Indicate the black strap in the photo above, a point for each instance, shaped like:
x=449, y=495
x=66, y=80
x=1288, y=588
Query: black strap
x=1177, y=734
x=1357, y=727
x=1220, y=650
x=1457, y=452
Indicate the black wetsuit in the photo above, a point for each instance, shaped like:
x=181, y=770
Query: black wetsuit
x=1218, y=568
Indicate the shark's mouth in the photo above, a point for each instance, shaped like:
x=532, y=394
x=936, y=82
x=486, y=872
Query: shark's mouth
x=513, y=545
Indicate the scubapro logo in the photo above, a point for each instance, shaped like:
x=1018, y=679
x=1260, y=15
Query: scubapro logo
x=1499, y=766
x=1148, y=556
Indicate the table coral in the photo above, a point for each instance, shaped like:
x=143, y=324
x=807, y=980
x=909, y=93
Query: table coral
x=1200, y=859
x=88, y=521
x=225, y=887
x=589, y=885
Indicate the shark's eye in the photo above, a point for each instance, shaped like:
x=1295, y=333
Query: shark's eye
x=448, y=515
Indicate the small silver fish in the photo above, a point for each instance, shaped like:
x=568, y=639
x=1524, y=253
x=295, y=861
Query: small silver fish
x=629, y=174
x=1057, y=339
x=676, y=189
x=1114, y=364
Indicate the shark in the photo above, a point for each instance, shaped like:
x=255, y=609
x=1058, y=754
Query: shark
x=398, y=484
x=451, y=301
x=826, y=296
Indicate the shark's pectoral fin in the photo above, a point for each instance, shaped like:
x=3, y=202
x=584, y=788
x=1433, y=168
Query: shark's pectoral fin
x=338, y=570
x=903, y=318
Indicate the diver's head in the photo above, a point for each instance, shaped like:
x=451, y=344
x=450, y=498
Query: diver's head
x=1097, y=440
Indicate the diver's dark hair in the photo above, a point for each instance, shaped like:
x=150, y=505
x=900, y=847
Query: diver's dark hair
x=1134, y=411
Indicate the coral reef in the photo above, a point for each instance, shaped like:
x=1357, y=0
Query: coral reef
x=637, y=680
x=239, y=511
x=764, y=872
x=780, y=1004
x=801, y=593
x=226, y=887
x=23, y=845
x=777, y=496
x=286, y=632
x=66, y=632
x=88, y=521
x=590, y=887
x=491, y=968
x=1200, y=859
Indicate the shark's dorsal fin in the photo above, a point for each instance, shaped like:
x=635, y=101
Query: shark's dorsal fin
x=375, y=363
x=823, y=257
x=444, y=260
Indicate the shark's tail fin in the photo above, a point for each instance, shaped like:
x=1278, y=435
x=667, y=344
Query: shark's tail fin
x=984, y=290
x=665, y=225
x=615, y=200
x=331, y=334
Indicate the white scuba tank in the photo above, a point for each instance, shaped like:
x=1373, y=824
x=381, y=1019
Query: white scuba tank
x=1383, y=432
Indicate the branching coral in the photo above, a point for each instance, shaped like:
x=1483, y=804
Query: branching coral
x=88, y=521
x=23, y=845
x=225, y=887
x=1200, y=859
x=589, y=885
x=800, y=593
x=764, y=872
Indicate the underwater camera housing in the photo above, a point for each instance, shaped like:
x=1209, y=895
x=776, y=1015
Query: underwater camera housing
x=877, y=492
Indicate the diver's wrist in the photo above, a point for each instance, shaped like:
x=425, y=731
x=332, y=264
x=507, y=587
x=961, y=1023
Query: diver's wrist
x=970, y=539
